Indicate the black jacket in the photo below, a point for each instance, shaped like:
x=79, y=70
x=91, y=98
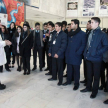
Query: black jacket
x=14, y=45
x=26, y=46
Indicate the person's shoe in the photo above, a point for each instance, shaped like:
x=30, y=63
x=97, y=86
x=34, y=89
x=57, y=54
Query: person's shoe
x=51, y=79
x=8, y=70
x=24, y=73
x=46, y=69
x=13, y=66
x=93, y=96
x=59, y=84
x=85, y=90
x=101, y=87
x=85, y=84
x=65, y=75
x=2, y=86
x=106, y=102
x=18, y=69
x=48, y=73
x=28, y=73
x=75, y=87
x=34, y=69
x=66, y=83
x=83, y=81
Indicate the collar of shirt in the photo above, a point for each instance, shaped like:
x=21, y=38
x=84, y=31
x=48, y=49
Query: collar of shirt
x=37, y=31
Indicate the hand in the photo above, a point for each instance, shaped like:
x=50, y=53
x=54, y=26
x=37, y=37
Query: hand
x=55, y=56
x=8, y=42
x=44, y=39
x=49, y=54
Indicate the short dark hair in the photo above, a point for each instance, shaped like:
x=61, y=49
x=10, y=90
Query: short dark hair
x=96, y=19
x=52, y=24
x=59, y=24
x=89, y=21
x=76, y=21
x=45, y=24
x=69, y=24
x=49, y=22
x=64, y=23
x=37, y=24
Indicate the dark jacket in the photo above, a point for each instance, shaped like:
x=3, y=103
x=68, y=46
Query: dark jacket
x=26, y=46
x=75, y=48
x=14, y=45
x=6, y=37
x=60, y=46
x=98, y=45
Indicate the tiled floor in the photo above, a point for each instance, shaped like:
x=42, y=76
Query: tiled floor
x=35, y=91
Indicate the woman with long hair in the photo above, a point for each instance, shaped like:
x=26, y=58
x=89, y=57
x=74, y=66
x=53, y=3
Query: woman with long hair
x=12, y=30
x=5, y=36
x=26, y=46
x=16, y=46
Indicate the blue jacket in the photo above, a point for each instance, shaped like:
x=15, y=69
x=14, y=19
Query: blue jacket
x=75, y=48
x=60, y=46
x=98, y=45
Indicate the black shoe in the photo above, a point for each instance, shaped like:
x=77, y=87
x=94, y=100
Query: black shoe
x=93, y=96
x=24, y=73
x=51, y=79
x=46, y=69
x=83, y=81
x=85, y=84
x=48, y=73
x=18, y=69
x=59, y=84
x=13, y=66
x=66, y=83
x=2, y=86
x=28, y=73
x=34, y=69
x=75, y=87
x=85, y=90
x=106, y=102
x=101, y=87
x=65, y=75
x=8, y=70
x=40, y=69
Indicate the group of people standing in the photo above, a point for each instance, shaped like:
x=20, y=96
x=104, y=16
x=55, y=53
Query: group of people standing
x=63, y=45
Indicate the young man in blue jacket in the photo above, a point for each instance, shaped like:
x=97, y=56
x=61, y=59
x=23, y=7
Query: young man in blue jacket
x=74, y=51
x=97, y=44
x=57, y=51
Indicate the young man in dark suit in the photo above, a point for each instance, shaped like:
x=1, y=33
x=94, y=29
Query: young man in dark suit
x=37, y=46
x=75, y=48
x=57, y=52
x=97, y=44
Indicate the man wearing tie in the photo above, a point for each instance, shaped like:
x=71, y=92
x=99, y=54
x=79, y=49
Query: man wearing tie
x=37, y=46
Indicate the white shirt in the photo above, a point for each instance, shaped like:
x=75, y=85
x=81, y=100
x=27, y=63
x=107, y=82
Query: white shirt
x=18, y=41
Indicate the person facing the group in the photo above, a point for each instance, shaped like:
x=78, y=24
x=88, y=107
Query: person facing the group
x=26, y=46
x=57, y=52
x=97, y=44
x=16, y=46
x=75, y=48
x=37, y=46
x=5, y=36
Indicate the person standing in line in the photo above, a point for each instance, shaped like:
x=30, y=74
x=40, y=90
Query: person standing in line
x=57, y=52
x=16, y=46
x=97, y=45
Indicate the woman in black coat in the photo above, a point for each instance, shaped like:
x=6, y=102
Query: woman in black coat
x=26, y=46
x=16, y=46
x=11, y=31
x=5, y=36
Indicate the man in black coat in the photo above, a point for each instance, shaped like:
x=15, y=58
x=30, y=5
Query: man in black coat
x=84, y=62
x=37, y=46
x=57, y=52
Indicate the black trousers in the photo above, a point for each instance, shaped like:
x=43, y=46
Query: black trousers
x=85, y=69
x=7, y=64
x=26, y=63
x=93, y=70
x=103, y=75
x=50, y=64
x=40, y=52
x=107, y=82
x=57, y=67
x=73, y=70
